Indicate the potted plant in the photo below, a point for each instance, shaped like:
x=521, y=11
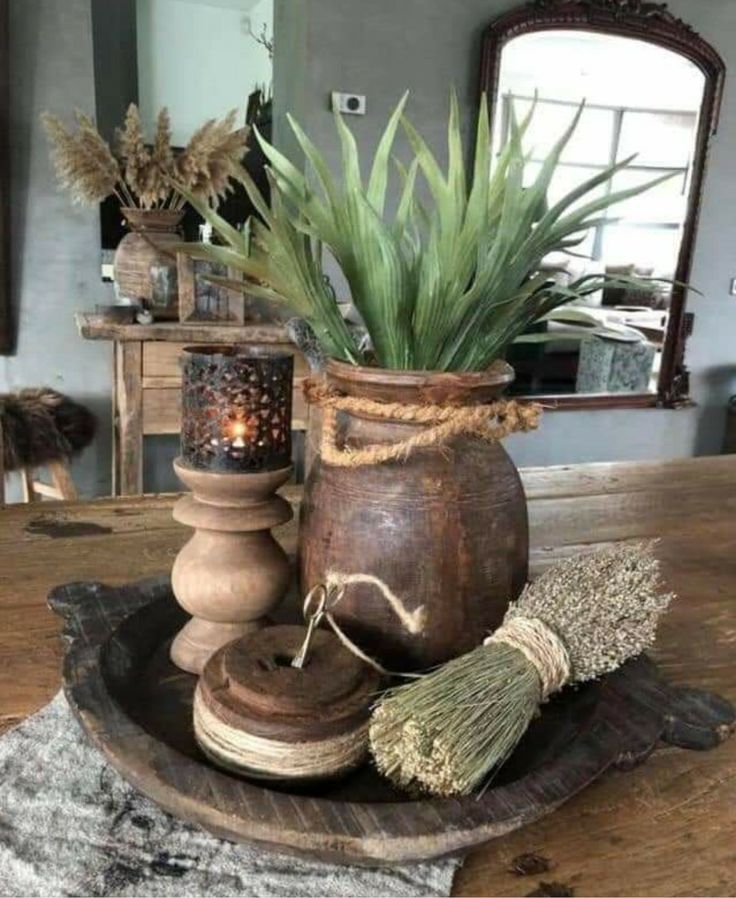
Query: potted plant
x=140, y=175
x=414, y=504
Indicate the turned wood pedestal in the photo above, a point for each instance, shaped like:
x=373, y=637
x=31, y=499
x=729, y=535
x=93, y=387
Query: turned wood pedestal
x=232, y=572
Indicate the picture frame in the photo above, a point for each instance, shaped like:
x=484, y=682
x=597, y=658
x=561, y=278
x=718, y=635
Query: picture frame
x=202, y=301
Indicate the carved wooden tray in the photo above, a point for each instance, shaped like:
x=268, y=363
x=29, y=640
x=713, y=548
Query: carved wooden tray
x=135, y=706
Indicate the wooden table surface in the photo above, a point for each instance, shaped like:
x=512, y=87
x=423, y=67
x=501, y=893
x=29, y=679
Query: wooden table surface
x=667, y=828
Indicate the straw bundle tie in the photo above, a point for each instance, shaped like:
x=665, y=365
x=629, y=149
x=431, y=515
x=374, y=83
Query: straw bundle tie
x=490, y=422
x=541, y=646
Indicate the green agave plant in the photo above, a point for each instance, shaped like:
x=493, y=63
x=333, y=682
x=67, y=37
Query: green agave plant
x=445, y=286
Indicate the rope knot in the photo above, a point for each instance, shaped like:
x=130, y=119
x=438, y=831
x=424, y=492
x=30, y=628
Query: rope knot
x=541, y=646
x=491, y=422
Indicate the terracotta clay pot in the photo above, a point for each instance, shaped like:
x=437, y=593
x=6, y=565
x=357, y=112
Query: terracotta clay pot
x=445, y=529
x=151, y=230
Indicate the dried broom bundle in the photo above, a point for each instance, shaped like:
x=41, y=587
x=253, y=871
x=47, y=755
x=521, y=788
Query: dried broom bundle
x=447, y=731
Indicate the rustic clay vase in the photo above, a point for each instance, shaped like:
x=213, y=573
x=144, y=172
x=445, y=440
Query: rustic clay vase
x=151, y=231
x=445, y=529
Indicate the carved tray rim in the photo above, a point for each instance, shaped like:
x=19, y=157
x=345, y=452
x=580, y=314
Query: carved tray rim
x=622, y=730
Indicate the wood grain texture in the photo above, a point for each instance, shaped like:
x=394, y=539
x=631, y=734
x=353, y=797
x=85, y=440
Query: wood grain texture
x=232, y=573
x=445, y=530
x=129, y=406
x=162, y=359
x=119, y=685
x=663, y=829
x=91, y=328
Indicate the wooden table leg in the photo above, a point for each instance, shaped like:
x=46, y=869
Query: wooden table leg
x=129, y=405
x=115, y=423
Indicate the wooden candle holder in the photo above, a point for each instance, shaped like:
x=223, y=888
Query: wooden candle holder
x=232, y=572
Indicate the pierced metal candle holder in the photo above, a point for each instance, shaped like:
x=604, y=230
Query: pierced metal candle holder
x=235, y=454
x=236, y=409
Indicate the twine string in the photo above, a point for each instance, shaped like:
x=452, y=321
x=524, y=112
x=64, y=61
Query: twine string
x=323, y=598
x=490, y=422
x=541, y=646
x=236, y=748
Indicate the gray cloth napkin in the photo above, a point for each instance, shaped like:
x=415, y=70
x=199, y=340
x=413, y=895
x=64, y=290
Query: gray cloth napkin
x=70, y=825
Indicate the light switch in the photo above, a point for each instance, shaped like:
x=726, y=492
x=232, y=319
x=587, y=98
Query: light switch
x=348, y=104
x=733, y=286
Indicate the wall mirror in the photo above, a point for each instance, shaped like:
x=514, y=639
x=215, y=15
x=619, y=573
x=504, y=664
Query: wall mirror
x=651, y=87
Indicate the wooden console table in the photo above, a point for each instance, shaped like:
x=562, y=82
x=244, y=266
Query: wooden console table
x=146, y=394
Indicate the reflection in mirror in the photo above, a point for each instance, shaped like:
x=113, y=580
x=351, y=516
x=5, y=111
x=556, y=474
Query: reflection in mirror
x=640, y=99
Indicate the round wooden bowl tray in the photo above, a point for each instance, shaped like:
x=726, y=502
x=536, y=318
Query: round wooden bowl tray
x=136, y=707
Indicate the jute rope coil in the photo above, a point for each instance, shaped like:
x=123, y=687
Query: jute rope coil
x=239, y=750
x=489, y=422
x=541, y=646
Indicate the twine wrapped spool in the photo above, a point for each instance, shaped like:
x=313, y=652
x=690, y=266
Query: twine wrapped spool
x=256, y=715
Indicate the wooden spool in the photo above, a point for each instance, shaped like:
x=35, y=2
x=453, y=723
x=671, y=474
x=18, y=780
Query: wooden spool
x=256, y=714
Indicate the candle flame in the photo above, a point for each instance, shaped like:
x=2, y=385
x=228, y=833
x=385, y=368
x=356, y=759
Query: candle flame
x=238, y=429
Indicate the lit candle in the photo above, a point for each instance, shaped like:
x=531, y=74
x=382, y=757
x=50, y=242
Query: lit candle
x=236, y=409
x=238, y=431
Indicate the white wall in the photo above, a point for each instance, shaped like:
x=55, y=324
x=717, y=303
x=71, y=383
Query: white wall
x=384, y=47
x=197, y=58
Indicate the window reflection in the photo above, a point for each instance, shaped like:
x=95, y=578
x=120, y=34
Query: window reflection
x=640, y=99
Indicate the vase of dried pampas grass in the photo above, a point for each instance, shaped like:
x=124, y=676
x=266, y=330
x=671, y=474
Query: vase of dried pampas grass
x=141, y=174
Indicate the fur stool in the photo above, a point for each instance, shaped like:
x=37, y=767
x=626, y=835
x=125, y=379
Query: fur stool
x=40, y=428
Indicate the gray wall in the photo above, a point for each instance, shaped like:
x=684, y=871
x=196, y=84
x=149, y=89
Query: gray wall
x=383, y=47
x=54, y=245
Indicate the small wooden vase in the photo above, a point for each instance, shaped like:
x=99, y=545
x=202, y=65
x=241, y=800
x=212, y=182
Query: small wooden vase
x=232, y=572
x=152, y=233
x=257, y=715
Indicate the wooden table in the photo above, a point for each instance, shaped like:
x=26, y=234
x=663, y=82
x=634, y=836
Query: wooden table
x=146, y=394
x=666, y=828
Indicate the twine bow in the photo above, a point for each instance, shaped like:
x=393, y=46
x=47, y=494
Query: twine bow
x=490, y=422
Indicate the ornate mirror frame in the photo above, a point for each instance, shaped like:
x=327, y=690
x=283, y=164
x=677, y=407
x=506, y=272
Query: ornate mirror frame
x=651, y=22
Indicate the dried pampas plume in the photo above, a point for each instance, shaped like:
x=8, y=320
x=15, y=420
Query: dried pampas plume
x=154, y=183
x=83, y=161
x=142, y=176
x=212, y=158
x=135, y=157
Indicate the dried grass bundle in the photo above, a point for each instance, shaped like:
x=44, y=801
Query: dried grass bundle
x=212, y=158
x=134, y=156
x=143, y=175
x=83, y=161
x=449, y=730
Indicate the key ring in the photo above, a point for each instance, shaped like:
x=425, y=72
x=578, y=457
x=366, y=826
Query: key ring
x=313, y=618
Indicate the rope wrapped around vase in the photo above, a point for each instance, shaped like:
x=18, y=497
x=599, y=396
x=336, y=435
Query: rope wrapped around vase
x=491, y=421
